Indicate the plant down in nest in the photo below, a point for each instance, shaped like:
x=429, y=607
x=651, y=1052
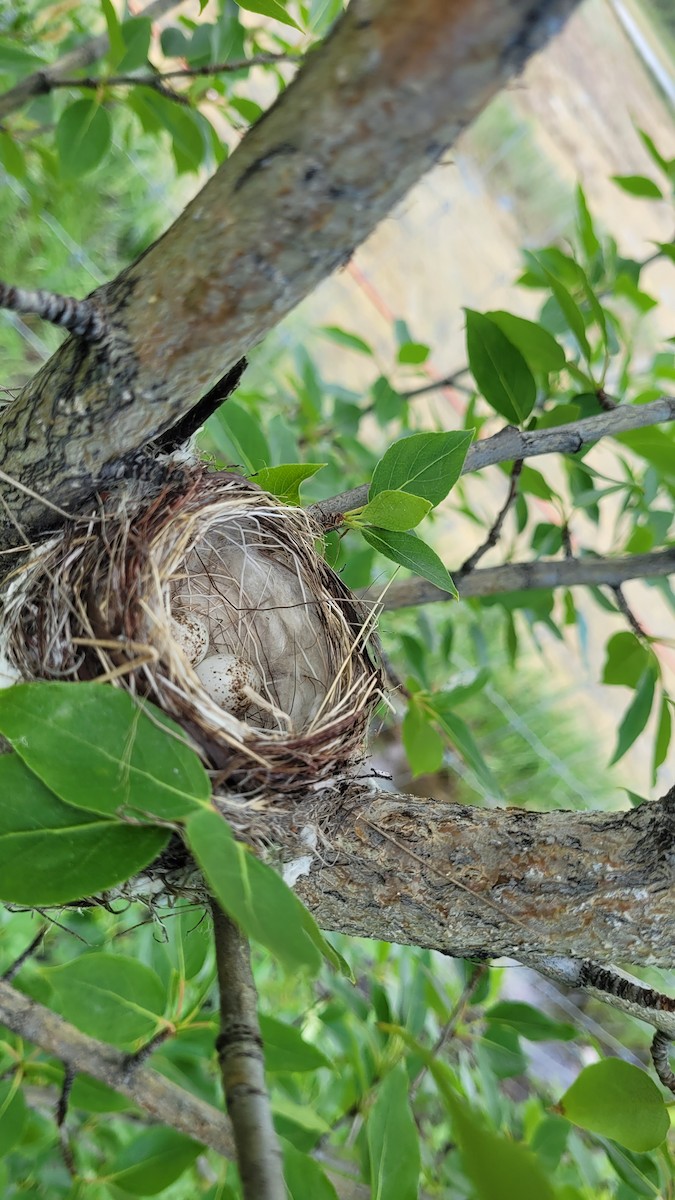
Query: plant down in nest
x=212, y=601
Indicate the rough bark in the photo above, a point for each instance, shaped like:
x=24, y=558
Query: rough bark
x=473, y=882
x=368, y=113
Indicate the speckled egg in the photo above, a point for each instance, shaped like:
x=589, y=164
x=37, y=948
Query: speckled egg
x=224, y=676
x=192, y=635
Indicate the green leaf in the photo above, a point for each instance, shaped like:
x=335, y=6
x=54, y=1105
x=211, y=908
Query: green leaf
x=662, y=737
x=529, y=1022
x=567, y=304
x=411, y=552
x=537, y=346
x=423, y=745
x=637, y=714
x=51, y=853
x=284, y=481
x=619, y=1101
x=83, y=137
x=413, y=353
x=286, y=1049
x=394, y=510
x=626, y=660
x=303, y=1176
x=91, y=1095
x=12, y=156
x=254, y=895
x=654, y=153
x=153, y=1161
x=393, y=1141
x=114, y=31
x=136, y=33
x=238, y=437
x=463, y=740
x=532, y=483
x=100, y=750
x=589, y=238
x=109, y=996
x=425, y=464
x=343, y=338
x=388, y=404
x=657, y=446
x=639, y=185
x=498, y=1168
x=268, y=8
x=13, y=1115
x=499, y=369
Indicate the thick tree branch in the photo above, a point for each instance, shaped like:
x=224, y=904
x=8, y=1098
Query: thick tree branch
x=89, y=52
x=148, y=1089
x=366, y=115
x=477, y=882
x=242, y=1066
x=511, y=443
x=528, y=576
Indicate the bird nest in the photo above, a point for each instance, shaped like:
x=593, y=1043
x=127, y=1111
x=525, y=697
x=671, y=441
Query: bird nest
x=212, y=601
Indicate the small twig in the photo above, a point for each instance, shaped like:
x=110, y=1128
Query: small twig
x=16, y=966
x=156, y=79
x=142, y=1055
x=511, y=443
x=494, y=533
x=435, y=385
x=628, y=613
x=452, y=1022
x=80, y=317
x=242, y=1067
x=61, y=1114
x=660, y=1050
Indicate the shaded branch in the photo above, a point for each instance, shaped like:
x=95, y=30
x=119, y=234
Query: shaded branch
x=242, y=1066
x=511, y=443
x=80, y=1053
x=476, y=882
x=613, y=986
x=367, y=114
x=156, y=78
x=89, y=52
x=528, y=576
x=496, y=529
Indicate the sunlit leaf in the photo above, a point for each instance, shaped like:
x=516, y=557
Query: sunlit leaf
x=619, y=1101
x=284, y=481
x=393, y=1141
x=269, y=8
x=411, y=552
x=425, y=464
x=639, y=185
x=637, y=714
x=394, y=510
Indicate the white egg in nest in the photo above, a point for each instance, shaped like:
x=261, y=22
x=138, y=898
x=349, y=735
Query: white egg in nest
x=224, y=677
x=192, y=635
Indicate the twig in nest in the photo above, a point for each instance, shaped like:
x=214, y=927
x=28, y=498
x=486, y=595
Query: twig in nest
x=240, y=1055
x=493, y=535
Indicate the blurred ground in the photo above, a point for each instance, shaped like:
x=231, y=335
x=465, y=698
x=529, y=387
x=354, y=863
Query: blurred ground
x=455, y=242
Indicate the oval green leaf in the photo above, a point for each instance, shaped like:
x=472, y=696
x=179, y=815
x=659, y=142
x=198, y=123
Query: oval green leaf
x=411, y=552
x=499, y=369
x=52, y=853
x=618, y=1101
x=425, y=464
x=83, y=137
x=109, y=996
x=639, y=185
x=286, y=1049
x=284, y=481
x=153, y=1161
x=100, y=750
x=394, y=510
x=537, y=346
x=12, y=1115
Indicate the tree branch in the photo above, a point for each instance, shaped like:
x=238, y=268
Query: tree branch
x=496, y=528
x=89, y=52
x=80, y=317
x=242, y=1066
x=511, y=443
x=367, y=114
x=612, y=986
x=489, y=882
x=158, y=77
x=83, y=1054
x=528, y=576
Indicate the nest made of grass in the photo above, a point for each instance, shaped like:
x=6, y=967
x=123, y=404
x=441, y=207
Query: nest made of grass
x=283, y=695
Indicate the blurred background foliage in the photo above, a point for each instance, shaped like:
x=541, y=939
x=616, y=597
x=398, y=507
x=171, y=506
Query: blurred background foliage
x=521, y=699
